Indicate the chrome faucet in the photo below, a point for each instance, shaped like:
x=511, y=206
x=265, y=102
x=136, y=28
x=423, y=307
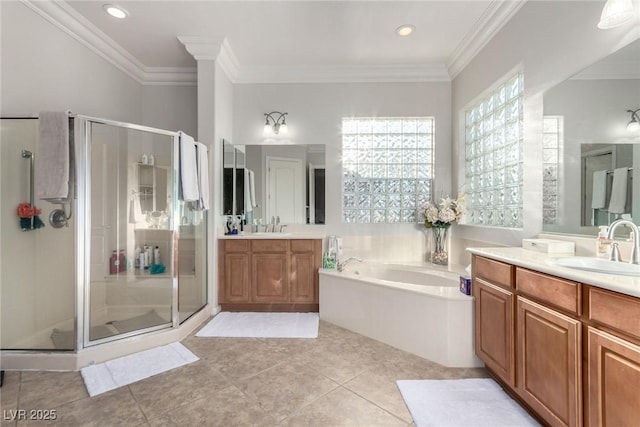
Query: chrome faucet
x=635, y=253
x=342, y=265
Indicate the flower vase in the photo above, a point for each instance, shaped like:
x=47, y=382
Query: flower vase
x=439, y=254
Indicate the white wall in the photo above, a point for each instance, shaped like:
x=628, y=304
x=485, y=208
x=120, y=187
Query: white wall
x=550, y=41
x=170, y=107
x=43, y=68
x=315, y=117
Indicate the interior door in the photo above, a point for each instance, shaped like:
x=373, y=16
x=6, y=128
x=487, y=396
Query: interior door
x=285, y=190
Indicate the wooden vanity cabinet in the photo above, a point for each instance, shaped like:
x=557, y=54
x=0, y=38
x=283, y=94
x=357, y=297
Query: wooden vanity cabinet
x=276, y=274
x=576, y=347
x=613, y=358
x=234, y=270
x=548, y=347
x=494, y=311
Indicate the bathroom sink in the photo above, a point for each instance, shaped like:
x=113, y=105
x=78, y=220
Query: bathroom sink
x=597, y=265
x=274, y=234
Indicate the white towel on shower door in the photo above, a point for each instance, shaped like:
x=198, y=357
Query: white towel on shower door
x=248, y=203
x=203, y=175
x=188, y=169
x=53, y=177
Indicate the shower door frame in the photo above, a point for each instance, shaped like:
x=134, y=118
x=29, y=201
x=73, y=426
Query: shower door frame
x=83, y=236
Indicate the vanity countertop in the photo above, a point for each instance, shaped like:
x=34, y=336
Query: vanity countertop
x=629, y=285
x=301, y=235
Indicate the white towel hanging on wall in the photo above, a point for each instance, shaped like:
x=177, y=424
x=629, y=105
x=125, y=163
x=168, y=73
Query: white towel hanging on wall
x=618, y=200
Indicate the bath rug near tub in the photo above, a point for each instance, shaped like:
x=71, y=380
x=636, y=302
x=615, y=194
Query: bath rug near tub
x=262, y=325
x=478, y=402
x=125, y=370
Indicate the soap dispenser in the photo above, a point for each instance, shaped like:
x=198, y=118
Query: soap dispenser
x=602, y=242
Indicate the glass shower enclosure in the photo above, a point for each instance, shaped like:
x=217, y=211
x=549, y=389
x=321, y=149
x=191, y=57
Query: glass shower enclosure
x=128, y=258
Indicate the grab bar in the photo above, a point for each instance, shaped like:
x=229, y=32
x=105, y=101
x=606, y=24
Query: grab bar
x=26, y=154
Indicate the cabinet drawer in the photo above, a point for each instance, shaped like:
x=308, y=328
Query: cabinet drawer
x=236, y=245
x=301, y=245
x=495, y=272
x=618, y=311
x=269, y=245
x=556, y=292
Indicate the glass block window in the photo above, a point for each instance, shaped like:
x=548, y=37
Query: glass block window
x=387, y=168
x=552, y=138
x=493, y=157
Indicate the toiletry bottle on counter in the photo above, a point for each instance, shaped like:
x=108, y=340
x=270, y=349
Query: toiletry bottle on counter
x=156, y=255
x=114, y=263
x=137, y=258
x=122, y=261
x=602, y=242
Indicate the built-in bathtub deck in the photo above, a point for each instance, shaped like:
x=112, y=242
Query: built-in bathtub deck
x=429, y=317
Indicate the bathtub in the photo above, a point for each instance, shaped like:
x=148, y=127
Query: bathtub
x=416, y=309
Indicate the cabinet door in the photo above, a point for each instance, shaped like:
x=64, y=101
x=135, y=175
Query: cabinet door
x=494, y=329
x=270, y=277
x=235, y=278
x=549, y=363
x=303, y=278
x=614, y=380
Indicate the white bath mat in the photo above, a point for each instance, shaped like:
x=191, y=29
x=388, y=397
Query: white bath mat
x=262, y=325
x=478, y=402
x=135, y=367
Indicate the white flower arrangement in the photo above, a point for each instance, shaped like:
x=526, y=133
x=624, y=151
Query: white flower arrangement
x=447, y=212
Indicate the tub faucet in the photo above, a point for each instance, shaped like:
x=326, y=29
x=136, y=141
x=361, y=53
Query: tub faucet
x=342, y=265
x=635, y=252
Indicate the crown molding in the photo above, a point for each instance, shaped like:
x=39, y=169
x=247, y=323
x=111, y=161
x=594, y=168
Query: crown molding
x=77, y=26
x=343, y=74
x=208, y=49
x=63, y=16
x=492, y=20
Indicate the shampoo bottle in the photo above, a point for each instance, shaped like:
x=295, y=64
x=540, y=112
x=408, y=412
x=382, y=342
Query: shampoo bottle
x=113, y=263
x=602, y=242
x=156, y=255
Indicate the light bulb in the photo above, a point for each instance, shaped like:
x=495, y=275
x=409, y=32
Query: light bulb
x=115, y=11
x=267, y=129
x=615, y=13
x=633, y=126
x=284, y=128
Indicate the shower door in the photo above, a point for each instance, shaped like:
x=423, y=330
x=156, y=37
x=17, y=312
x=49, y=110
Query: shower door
x=129, y=257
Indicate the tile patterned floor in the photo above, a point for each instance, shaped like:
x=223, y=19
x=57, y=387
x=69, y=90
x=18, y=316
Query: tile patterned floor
x=339, y=379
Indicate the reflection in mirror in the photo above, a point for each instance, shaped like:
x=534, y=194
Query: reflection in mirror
x=285, y=181
x=586, y=144
x=228, y=163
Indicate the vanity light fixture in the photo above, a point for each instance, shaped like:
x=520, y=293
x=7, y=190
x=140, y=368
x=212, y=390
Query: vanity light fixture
x=634, y=124
x=115, y=11
x=405, y=30
x=275, y=126
x=616, y=13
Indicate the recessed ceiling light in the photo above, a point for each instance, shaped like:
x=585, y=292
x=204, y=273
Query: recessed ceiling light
x=405, y=30
x=115, y=11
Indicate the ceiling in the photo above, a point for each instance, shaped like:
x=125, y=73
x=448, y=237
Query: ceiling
x=302, y=35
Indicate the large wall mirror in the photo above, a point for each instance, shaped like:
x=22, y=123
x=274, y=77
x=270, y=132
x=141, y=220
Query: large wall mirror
x=586, y=144
x=271, y=181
